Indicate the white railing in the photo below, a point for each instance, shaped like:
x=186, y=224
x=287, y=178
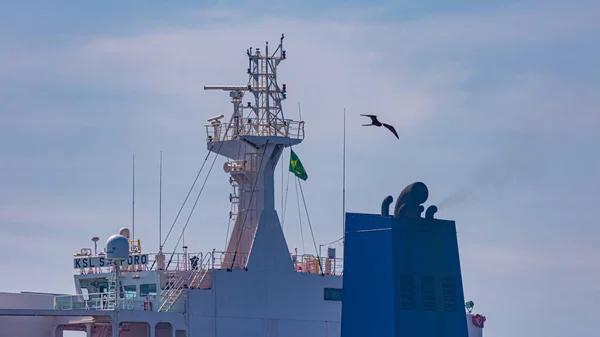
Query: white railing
x=174, y=295
x=199, y=273
x=174, y=292
x=95, y=301
x=173, y=262
x=216, y=260
x=226, y=131
x=171, y=294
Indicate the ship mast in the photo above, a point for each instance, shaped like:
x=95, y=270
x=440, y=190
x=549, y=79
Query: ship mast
x=253, y=141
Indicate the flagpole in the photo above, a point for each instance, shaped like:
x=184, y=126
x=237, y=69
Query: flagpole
x=344, y=184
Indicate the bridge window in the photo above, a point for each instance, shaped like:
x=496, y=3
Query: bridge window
x=102, y=287
x=148, y=289
x=332, y=294
x=130, y=291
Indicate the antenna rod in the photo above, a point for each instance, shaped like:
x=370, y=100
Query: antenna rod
x=267, y=84
x=160, y=206
x=133, y=201
x=344, y=183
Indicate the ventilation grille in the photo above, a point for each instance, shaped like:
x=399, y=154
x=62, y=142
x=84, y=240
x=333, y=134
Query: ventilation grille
x=407, y=292
x=428, y=293
x=449, y=293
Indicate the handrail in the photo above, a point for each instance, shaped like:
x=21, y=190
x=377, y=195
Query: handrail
x=172, y=295
x=211, y=260
x=94, y=301
x=197, y=276
x=225, y=131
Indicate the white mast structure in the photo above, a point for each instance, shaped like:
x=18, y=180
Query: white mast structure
x=253, y=140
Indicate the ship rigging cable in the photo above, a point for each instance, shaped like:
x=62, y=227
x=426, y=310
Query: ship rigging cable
x=186, y=198
x=310, y=226
x=300, y=216
x=195, y=203
x=288, y=181
x=332, y=242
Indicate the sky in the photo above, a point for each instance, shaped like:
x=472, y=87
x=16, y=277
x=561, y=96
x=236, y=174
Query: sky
x=495, y=103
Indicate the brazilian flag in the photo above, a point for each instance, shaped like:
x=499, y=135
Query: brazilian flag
x=296, y=166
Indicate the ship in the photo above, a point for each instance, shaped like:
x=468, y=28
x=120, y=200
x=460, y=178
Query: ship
x=256, y=287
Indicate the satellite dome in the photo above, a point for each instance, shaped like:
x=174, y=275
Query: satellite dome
x=117, y=247
x=125, y=232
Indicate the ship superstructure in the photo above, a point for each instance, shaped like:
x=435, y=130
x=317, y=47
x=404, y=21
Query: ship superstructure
x=255, y=288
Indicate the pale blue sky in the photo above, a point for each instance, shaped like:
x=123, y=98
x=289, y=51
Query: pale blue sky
x=501, y=96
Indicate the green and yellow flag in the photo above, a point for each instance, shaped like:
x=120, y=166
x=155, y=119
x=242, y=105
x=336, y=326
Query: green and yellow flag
x=296, y=166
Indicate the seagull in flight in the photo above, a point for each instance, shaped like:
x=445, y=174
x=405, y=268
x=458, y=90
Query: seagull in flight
x=375, y=122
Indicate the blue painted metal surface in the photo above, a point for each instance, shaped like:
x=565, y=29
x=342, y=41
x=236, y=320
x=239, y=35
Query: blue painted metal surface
x=401, y=278
x=367, y=301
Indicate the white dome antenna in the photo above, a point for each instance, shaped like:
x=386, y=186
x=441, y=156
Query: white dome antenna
x=125, y=232
x=117, y=248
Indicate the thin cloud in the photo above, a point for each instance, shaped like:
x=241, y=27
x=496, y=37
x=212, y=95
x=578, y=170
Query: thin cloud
x=26, y=162
x=425, y=76
x=56, y=215
x=501, y=27
x=513, y=259
x=365, y=67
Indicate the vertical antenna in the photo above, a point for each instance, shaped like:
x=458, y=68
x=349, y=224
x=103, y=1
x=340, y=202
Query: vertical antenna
x=344, y=183
x=160, y=206
x=133, y=201
x=267, y=83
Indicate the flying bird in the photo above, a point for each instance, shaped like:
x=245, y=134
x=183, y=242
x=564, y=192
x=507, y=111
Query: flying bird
x=375, y=122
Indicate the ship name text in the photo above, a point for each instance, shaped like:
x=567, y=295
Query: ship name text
x=102, y=261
